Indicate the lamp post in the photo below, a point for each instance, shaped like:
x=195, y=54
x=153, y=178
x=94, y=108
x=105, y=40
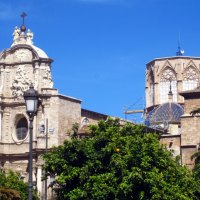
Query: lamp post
x=31, y=100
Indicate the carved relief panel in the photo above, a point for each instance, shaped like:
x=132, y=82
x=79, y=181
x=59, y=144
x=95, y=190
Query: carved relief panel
x=21, y=80
x=47, y=79
x=20, y=55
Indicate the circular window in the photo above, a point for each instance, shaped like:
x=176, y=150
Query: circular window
x=21, y=129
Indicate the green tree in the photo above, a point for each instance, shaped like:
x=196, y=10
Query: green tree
x=118, y=163
x=9, y=194
x=13, y=188
x=74, y=131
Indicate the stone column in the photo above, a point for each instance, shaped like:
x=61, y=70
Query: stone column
x=0, y=124
x=36, y=77
x=2, y=79
x=180, y=99
x=156, y=94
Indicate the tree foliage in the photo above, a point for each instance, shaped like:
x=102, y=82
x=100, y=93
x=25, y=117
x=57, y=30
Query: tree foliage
x=12, y=187
x=118, y=162
x=9, y=194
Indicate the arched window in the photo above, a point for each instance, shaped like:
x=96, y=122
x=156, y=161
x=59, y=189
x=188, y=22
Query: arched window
x=85, y=121
x=190, y=79
x=21, y=129
x=168, y=77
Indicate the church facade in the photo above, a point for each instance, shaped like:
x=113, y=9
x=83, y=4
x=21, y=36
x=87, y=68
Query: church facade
x=171, y=94
x=21, y=65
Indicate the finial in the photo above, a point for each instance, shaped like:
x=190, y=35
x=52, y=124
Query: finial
x=179, y=52
x=170, y=94
x=23, y=27
x=170, y=86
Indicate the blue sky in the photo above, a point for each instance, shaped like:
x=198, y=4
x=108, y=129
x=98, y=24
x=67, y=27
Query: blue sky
x=100, y=47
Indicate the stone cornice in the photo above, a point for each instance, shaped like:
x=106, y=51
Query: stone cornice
x=173, y=58
x=25, y=46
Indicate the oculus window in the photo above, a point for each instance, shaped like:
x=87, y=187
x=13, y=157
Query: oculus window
x=21, y=129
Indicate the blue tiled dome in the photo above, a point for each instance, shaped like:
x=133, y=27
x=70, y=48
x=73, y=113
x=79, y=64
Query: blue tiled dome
x=167, y=112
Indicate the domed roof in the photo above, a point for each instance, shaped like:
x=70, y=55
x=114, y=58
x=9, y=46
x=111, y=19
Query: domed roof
x=26, y=38
x=40, y=52
x=167, y=112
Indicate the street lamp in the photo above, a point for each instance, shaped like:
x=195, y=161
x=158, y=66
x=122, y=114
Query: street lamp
x=31, y=100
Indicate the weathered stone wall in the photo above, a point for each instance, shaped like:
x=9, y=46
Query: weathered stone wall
x=190, y=134
x=191, y=104
x=190, y=128
x=69, y=113
x=171, y=142
x=93, y=117
x=186, y=153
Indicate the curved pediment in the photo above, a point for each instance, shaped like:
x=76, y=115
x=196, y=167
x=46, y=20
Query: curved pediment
x=17, y=55
x=22, y=54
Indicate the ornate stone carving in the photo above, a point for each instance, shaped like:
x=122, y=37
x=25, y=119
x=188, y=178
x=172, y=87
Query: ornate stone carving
x=22, y=55
x=48, y=83
x=21, y=82
x=29, y=37
x=190, y=74
x=168, y=75
x=21, y=37
x=16, y=35
x=8, y=58
x=190, y=78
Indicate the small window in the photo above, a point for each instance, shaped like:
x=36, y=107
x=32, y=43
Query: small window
x=85, y=121
x=22, y=129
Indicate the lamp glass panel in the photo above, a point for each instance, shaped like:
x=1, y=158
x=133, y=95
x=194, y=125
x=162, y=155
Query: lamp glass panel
x=30, y=105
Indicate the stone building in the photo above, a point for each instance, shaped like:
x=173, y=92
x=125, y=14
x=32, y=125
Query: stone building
x=20, y=65
x=171, y=94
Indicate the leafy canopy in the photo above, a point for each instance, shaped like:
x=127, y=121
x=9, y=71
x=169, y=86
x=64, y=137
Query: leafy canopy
x=118, y=162
x=12, y=187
